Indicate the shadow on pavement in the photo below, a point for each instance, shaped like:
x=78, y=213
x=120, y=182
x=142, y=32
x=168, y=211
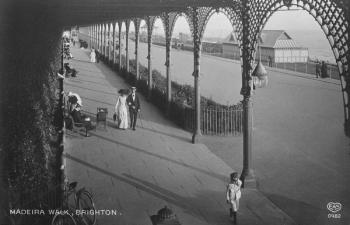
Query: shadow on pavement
x=302, y=212
x=214, y=175
x=190, y=205
x=193, y=206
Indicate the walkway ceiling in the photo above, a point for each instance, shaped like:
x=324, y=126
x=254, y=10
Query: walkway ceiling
x=84, y=12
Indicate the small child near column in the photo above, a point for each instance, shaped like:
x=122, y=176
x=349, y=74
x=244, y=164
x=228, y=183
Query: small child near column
x=233, y=194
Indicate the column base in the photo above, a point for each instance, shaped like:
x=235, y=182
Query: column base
x=248, y=179
x=196, y=138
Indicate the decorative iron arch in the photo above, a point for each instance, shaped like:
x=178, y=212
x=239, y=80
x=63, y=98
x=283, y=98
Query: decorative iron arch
x=169, y=21
x=232, y=14
x=333, y=18
x=196, y=19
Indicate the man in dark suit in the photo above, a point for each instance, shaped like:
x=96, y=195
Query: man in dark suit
x=134, y=107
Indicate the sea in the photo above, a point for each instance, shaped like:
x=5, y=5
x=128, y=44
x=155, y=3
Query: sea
x=316, y=42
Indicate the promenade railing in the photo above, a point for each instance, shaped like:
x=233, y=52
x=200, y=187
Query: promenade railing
x=216, y=121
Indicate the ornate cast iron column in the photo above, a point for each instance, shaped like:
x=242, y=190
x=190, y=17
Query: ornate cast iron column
x=196, y=53
x=137, y=30
x=120, y=44
x=93, y=36
x=167, y=61
x=99, y=35
x=113, y=48
x=90, y=36
x=197, y=18
x=109, y=42
x=168, y=22
x=150, y=23
x=247, y=175
x=102, y=40
x=111, y=31
x=106, y=41
x=127, y=26
x=194, y=22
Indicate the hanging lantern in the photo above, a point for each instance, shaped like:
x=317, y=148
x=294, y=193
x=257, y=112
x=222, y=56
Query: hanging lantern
x=259, y=76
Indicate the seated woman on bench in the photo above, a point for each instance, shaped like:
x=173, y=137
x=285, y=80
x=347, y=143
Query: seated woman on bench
x=74, y=107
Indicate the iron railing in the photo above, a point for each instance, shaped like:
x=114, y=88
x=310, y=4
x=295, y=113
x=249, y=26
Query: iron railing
x=216, y=121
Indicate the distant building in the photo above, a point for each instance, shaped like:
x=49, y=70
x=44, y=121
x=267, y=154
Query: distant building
x=185, y=38
x=276, y=47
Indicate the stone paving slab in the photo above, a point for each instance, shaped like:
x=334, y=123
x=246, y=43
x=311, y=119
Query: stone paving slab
x=139, y=172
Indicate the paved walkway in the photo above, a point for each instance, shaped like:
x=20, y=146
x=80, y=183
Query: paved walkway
x=139, y=172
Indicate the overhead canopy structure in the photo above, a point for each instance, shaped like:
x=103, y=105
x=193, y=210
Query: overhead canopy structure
x=84, y=12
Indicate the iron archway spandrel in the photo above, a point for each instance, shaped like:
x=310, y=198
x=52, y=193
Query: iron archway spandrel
x=169, y=20
x=150, y=24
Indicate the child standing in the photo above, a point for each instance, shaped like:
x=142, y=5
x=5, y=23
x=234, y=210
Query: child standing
x=233, y=194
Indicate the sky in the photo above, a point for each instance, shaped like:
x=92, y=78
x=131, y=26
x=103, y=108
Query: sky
x=219, y=25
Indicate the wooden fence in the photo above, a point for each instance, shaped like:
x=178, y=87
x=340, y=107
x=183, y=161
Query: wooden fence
x=216, y=121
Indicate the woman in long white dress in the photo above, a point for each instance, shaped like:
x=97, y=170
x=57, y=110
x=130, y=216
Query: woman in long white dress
x=93, y=56
x=121, y=111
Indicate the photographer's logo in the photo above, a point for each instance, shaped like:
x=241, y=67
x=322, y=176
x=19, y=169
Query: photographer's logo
x=334, y=207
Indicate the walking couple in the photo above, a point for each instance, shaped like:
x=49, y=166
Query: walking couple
x=127, y=102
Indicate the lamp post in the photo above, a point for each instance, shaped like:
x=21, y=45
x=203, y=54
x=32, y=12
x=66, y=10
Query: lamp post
x=259, y=79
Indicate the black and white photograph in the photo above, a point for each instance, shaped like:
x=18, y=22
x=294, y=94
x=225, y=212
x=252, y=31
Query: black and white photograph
x=174, y=112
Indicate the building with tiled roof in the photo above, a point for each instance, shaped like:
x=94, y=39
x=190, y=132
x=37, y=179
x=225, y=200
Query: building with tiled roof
x=276, y=47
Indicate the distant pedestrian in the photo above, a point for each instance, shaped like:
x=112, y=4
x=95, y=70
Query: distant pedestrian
x=324, y=70
x=270, y=61
x=318, y=69
x=93, y=56
x=233, y=194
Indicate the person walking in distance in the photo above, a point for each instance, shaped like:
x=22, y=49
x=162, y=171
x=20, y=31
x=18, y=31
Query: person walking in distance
x=233, y=194
x=134, y=107
x=318, y=69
